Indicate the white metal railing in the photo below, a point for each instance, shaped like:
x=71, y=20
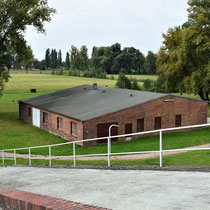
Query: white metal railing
x=109, y=153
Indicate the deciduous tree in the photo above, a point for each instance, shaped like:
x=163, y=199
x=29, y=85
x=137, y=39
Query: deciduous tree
x=184, y=58
x=15, y=15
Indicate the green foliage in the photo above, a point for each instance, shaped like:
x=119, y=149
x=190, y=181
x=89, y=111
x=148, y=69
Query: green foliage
x=53, y=59
x=123, y=81
x=67, y=60
x=134, y=84
x=42, y=65
x=47, y=58
x=95, y=73
x=15, y=16
x=184, y=59
x=28, y=58
x=148, y=84
x=59, y=59
x=75, y=73
x=150, y=63
x=112, y=59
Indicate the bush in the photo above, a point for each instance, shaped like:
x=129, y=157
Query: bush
x=148, y=84
x=112, y=77
x=123, y=81
x=134, y=84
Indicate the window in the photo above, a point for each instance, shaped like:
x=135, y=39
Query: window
x=45, y=117
x=74, y=129
x=140, y=125
x=59, y=123
x=178, y=120
x=128, y=128
x=29, y=112
x=158, y=123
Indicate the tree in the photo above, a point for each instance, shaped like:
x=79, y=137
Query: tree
x=27, y=59
x=184, y=58
x=47, y=58
x=59, y=58
x=14, y=17
x=74, y=58
x=123, y=81
x=67, y=60
x=150, y=63
x=83, y=56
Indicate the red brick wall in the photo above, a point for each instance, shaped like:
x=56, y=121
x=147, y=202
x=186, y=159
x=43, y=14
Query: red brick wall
x=51, y=126
x=193, y=112
x=11, y=199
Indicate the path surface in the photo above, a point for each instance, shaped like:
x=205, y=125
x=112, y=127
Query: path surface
x=118, y=190
x=121, y=157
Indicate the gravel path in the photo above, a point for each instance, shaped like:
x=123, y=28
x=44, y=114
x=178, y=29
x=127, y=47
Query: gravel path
x=115, y=157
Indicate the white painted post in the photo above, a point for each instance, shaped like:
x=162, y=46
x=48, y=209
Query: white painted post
x=15, y=157
x=109, y=151
x=161, y=148
x=29, y=156
x=3, y=158
x=109, y=144
x=74, y=154
x=50, y=161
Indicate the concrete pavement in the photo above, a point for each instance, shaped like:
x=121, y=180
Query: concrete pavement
x=115, y=189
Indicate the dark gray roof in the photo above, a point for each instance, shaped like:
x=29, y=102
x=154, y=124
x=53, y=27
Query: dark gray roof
x=83, y=103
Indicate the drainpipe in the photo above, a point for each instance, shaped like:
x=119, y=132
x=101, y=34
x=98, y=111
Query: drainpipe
x=82, y=133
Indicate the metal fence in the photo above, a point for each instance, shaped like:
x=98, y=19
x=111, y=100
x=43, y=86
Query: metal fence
x=109, y=153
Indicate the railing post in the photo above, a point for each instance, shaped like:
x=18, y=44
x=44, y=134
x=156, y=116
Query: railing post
x=109, y=152
x=3, y=157
x=50, y=161
x=15, y=156
x=161, y=147
x=29, y=156
x=74, y=154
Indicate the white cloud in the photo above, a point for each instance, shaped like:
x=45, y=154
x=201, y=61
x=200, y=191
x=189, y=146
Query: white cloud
x=136, y=23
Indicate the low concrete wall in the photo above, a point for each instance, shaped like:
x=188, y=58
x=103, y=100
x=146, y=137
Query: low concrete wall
x=11, y=199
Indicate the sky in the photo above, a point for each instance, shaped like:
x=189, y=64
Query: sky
x=132, y=23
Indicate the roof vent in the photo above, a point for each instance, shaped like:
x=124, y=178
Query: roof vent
x=131, y=94
x=104, y=91
x=84, y=88
x=94, y=86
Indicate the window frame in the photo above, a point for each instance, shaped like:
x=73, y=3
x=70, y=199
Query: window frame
x=59, y=123
x=74, y=129
x=45, y=118
x=29, y=112
x=178, y=120
x=157, y=126
x=140, y=125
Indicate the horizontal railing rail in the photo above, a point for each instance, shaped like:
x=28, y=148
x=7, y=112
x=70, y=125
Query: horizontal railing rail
x=108, y=154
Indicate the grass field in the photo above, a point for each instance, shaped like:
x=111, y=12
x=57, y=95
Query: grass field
x=16, y=133
x=23, y=82
x=196, y=158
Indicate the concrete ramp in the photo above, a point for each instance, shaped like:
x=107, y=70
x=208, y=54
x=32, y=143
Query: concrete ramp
x=114, y=189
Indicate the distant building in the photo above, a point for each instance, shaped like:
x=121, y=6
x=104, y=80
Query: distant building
x=35, y=64
x=87, y=111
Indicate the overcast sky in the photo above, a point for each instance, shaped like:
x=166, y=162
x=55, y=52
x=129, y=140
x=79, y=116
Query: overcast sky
x=136, y=23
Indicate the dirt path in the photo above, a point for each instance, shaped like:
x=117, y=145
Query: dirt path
x=116, y=157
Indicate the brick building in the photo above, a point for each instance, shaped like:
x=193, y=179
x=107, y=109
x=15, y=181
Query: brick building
x=87, y=111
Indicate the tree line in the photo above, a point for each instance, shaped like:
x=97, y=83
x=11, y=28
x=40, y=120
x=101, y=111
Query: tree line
x=111, y=60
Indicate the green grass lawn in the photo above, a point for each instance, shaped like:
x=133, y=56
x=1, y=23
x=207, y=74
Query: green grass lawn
x=15, y=133
x=196, y=158
x=23, y=82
